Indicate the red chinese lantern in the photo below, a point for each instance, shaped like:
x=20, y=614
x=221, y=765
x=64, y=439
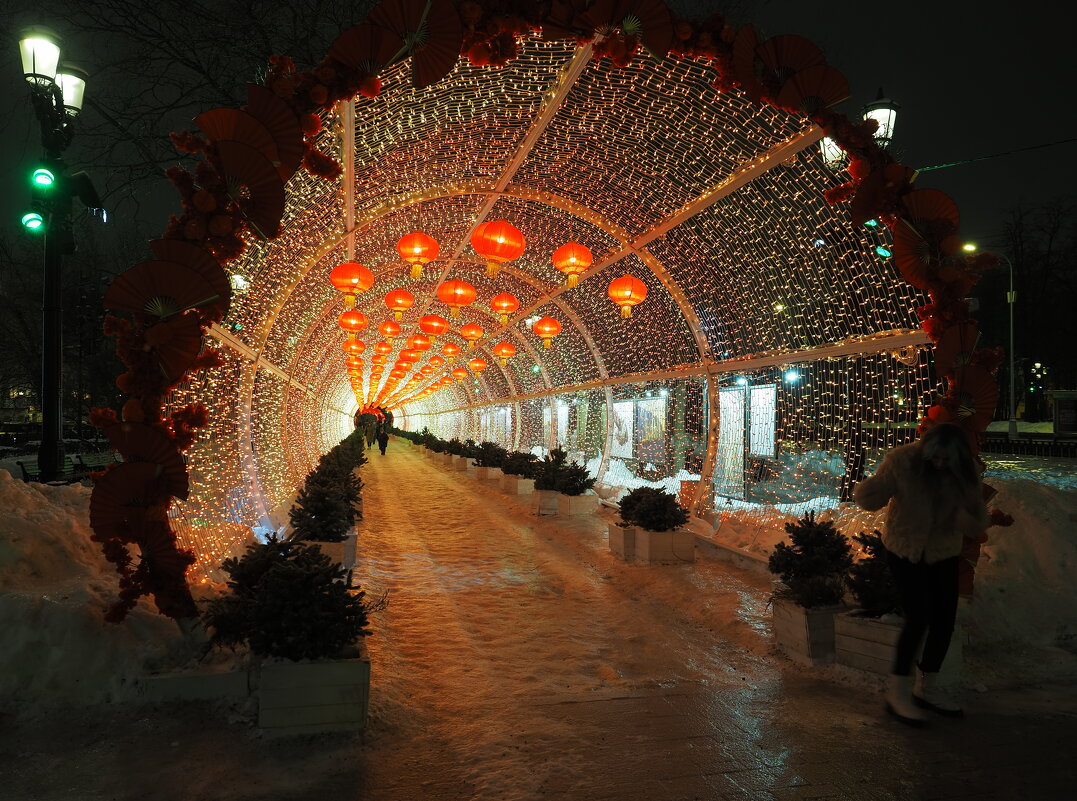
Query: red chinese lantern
x=459, y=373
x=379, y=359
x=477, y=365
x=504, y=305
x=472, y=332
x=432, y=325
x=437, y=361
x=418, y=342
x=355, y=372
x=504, y=351
x=388, y=329
x=353, y=346
x=627, y=292
x=383, y=348
x=427, y=370
x=448, y=379
x=572, y=259
x=417, y=249
x=449, y=349
x=497, y=242
x=399, y=301
x=397, y=374
x=351, y=278
x=456, y=294
x=546, y=328
x=352, y=321
x=410, y=356
x=353, y=361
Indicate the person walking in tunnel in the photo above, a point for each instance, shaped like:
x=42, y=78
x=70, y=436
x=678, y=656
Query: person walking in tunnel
x=383, y=437
x=934, y=499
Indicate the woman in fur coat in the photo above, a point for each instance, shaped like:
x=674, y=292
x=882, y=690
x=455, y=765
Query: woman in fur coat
x=935, y=499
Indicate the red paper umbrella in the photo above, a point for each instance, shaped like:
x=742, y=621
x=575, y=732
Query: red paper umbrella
x=915, y=257
x=118, y=492
x=231, y=123
x=925, y=206
x=177, y=342
x=160, y=289
x=192, y=256
x=431, y=32
x=977, y=396
x=366, y=47
x=279, y=119
x=160, y=550
x=786, y=55
x=648, y=20
x=813, y=89
x=955, y=346
x=744, y=61
x=255, y=184
x=139, y=442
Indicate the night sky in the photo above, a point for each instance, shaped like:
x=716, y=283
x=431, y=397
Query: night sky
x=973, y=79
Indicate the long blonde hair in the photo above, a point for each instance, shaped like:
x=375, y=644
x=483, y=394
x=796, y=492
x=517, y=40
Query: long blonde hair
x=949, y=439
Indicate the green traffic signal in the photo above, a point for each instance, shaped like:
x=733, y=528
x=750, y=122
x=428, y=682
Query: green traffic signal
x=32, y=221
x=44, y=178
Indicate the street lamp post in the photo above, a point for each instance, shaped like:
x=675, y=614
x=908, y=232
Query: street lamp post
x=56, y=92
x=1011, y=296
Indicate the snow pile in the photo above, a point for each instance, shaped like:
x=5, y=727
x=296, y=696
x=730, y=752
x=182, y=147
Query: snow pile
x=1025, y=596
x=55, y=586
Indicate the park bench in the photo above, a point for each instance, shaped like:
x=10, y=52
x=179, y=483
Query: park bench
x=93, y=462
x=69, y=473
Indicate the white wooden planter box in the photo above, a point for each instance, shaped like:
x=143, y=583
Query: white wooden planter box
x=577, y=504
x=460, y=463
x=306, y=697
x=340, y=552
x=545, y=502
x=805, y=635
x=488, y=473
x=623, y=541
x=665, y=547
x=868, y=644
x=865, y=643
x=517, y=485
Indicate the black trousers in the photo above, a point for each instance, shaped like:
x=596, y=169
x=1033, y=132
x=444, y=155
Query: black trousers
x=929, y=602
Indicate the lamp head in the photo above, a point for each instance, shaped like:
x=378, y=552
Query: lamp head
x=39, y=49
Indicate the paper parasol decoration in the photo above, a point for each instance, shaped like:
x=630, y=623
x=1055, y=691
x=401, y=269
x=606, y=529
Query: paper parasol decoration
x=255, y=184
x=813, y=89
x=139, y=442
x=177, y=342
x=279, y=119
x=366, y=47
x=118, y=492
x=976, y=392
x=202, y=262
x=431, y=31
x=231, y=123
x=787, y=55
x=160, y=289
x=955, y=346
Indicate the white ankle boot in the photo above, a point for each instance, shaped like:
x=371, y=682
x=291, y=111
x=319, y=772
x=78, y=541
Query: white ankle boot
x=927, y=694
x=899, y=701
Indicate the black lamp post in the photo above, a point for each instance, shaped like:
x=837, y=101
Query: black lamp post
x=56, y=92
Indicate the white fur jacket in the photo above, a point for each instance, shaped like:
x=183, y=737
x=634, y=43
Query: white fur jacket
x=913, y=529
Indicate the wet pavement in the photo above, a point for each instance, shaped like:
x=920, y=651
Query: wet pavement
x=519, y=660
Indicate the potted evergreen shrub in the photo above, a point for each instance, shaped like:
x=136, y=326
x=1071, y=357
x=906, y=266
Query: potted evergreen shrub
x=489, y=456
x=286, y=603
x=812, y=569
x=556, y=476
x=651, y=528
x=329, y=502
x=458, y=451
x=518, y=473
x=865, y=636
x=575, y=488
x=439, y=449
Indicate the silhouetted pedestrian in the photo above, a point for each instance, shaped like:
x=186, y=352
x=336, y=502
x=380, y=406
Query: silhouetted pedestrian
x=383, y=438
x=935, y=499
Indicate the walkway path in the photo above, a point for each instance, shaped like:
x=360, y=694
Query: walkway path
x=518, y=659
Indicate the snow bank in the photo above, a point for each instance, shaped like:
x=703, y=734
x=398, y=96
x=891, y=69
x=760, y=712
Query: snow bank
x=55, y=586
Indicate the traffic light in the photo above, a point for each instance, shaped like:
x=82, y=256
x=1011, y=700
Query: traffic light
x=43, y=177
x=34, y=222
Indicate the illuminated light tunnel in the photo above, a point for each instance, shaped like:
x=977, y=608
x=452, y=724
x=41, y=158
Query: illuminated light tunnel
x=775, y=344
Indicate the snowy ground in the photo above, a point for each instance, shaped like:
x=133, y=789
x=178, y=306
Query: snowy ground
x=493, y=610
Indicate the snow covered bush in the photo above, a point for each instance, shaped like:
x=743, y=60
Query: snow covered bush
x=555, y=472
